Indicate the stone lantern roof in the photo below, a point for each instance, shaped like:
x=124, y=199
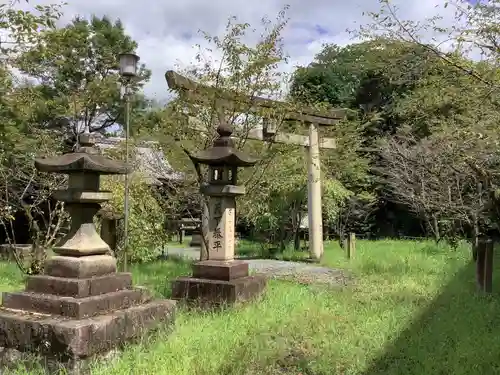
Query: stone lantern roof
x=223, y=152
x=85, y=159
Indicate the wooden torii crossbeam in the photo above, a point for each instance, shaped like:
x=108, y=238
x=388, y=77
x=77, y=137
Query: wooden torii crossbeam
x=238, y=103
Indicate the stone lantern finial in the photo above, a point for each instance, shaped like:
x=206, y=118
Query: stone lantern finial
x=224, y=139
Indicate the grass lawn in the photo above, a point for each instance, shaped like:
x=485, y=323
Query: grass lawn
x=412, y=310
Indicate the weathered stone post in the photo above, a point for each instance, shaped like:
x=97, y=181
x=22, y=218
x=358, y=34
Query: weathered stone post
x=80, y=307
x=221, y=278
x=351, y=245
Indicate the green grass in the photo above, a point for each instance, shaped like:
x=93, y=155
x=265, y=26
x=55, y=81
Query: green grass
x=413, y=309
x=174, y=242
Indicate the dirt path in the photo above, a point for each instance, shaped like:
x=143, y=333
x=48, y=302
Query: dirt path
x=279, y=269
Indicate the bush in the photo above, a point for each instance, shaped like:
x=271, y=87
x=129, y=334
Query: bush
x=146, y=229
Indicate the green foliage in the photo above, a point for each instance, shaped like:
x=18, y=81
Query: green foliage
x=277, y=185
x=77, y=66
x=248, y=69
x=24, y=192
x=146, y=223
x=276, y=198
x=476, y=28
x=447, y=116
x=23, y=26
x=420, y=103
x=368, y=77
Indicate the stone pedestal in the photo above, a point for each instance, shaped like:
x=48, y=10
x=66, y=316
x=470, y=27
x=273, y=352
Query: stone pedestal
x=81, y=307
x=221, y=279
x=68, y=331
x=216, y=282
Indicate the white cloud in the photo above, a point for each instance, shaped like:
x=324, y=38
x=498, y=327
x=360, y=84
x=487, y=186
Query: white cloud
x=167, y=30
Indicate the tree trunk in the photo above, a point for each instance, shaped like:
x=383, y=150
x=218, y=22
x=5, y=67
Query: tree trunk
x=204, y=228
x=475, y=238
x=282, y=233
x=282, y=237
x=297, y=219
x=37, y=251
x=296, y=240
x=435, y=228
x=341, y=239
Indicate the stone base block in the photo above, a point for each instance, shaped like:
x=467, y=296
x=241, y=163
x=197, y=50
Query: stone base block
x=220, y=270
x=78, y=340
x=217, y=292
x=79, y=288
x=77, y=308
x=80, y=267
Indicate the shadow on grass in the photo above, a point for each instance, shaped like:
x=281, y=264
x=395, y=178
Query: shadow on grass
x=456, y=334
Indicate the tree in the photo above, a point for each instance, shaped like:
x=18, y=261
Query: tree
x=400, y=86
x=368, y=77
x=77, y=67
x=23, y=26
x=146, y=226
x=276, y=199
x=475, y=30
x=247, y=71
x=24, y=193
x=449, y=193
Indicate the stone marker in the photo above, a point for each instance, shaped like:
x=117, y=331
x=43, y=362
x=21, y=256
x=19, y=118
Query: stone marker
x=81, y=307
x=221, y=278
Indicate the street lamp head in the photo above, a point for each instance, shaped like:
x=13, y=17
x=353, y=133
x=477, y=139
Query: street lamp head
x=128, y=65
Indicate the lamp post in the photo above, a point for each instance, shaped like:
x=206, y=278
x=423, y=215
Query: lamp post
x=128, y=71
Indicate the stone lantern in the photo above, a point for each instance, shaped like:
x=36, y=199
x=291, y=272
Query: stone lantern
x=81, y=307
x=221, y=278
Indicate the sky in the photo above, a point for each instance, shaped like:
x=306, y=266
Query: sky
x=168, y=30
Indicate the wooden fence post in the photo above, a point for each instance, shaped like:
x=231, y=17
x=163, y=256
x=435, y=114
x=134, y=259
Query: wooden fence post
x=351, y=245
x=484, y=265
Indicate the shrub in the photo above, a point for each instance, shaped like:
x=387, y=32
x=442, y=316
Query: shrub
x=146, y=229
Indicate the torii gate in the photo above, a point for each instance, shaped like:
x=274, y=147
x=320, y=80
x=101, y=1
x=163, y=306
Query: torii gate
x=238, y=103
